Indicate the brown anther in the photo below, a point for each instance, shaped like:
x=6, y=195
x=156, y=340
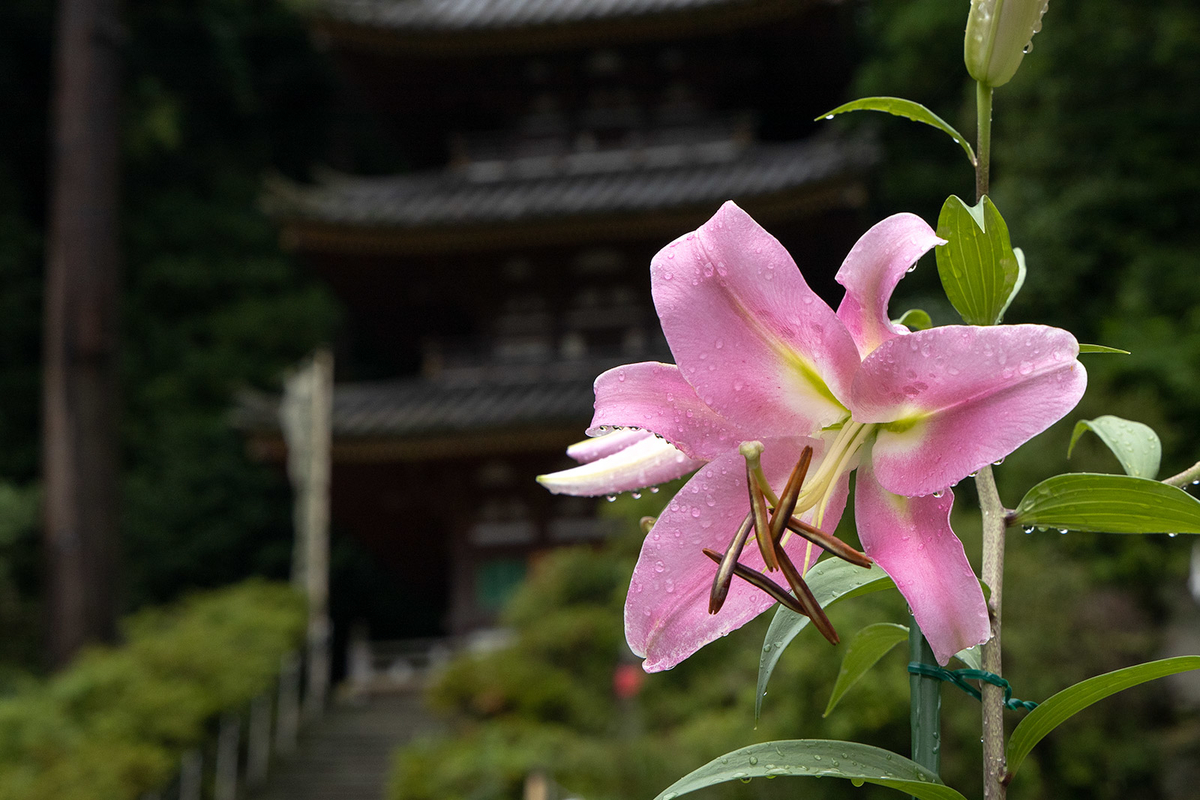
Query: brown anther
x=724, y=576
x=804, y=596
x=762, y=526
x=762, y=582
x=791, y=493
x=829, y=542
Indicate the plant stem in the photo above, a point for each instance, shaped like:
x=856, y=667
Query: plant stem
x=1189, y=475
x=925, y=703
x=994, y=766
x=983, y=111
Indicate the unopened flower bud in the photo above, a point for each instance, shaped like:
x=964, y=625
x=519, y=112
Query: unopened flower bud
x=999, y=34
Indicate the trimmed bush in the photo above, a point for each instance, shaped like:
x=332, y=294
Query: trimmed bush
x=114, y=723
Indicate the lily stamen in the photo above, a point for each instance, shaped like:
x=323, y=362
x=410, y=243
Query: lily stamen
x=761, y=581
x=829, y=542
x=804, y=596
x=752, y=451
x=791, y=493
x=724, y=576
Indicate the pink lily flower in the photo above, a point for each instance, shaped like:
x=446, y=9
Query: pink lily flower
x=761, y=357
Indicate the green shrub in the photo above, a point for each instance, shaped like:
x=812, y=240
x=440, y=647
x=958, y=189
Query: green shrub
x=114, y=723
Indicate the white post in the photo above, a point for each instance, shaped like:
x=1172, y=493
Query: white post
x=306, y=417
x=228, y=741
x=190, y=767
x=287, y=724
x=360, y=661
x=258, y=740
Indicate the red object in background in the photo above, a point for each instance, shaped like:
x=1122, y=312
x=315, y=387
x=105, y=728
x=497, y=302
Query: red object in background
x=627, y=680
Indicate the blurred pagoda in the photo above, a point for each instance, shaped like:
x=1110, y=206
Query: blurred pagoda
x=550, y=147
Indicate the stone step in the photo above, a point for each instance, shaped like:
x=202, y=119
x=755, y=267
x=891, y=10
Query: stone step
x=347, y=754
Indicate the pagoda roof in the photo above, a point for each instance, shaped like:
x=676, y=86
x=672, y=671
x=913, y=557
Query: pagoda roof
x=463, y=410
x=430, y=211
x=445, y=15
x=470, y=26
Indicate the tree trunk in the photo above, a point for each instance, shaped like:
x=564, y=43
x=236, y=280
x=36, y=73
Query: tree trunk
x=79, y=396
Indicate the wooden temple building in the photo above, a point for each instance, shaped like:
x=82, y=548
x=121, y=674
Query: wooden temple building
x=552, y=147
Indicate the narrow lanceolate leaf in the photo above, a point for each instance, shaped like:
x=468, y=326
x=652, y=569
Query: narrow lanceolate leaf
x=1062, y=706
x=899, y=107
x=829, y=581
x=866, y=648
x=1099, y=348
x=1085, y=501
x=972, y=657
x=915, y=319
x=980, y=271
x=1135, y=445
x=817, y=758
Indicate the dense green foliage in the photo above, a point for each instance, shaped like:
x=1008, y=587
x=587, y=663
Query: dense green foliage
x=546, y=703
x=218, y=93
x=1094, y=172
x=114, y=724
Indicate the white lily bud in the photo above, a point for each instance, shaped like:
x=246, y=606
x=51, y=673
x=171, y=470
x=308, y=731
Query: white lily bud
x=999, y=34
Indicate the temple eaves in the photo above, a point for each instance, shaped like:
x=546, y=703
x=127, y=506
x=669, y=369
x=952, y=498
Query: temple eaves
x=499, y=408
x=435, y=27
x=627, y=194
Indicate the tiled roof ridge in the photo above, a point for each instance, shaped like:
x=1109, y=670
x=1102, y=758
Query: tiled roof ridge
x=464, y=15
x=522, y=190
x=457, y=399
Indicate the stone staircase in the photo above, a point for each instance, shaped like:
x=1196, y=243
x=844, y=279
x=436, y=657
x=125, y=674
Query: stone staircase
x=347, y=753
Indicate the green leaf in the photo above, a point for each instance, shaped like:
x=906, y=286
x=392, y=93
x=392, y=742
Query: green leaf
x=898, y=106
x=1135, y=445
x=1057, y=709
x=866, y=648
x=830, y=580
x=972, y=657
x=817, y=758
x=1099, y=348
x=980, y=271
x=1085, y=501
x=1019, y=254
x=915, y=319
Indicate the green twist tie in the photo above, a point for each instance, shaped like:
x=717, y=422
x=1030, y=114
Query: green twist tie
x=959, y=678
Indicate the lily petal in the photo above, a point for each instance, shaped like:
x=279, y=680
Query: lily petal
x=911, y=539
x=605, y=444
x=666, y=611
x=759, y=346
x=959, y=397
x=871, y=271
x=646, y=462
x=655, y=396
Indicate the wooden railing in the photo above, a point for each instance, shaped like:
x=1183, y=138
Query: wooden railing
x=246, y=741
